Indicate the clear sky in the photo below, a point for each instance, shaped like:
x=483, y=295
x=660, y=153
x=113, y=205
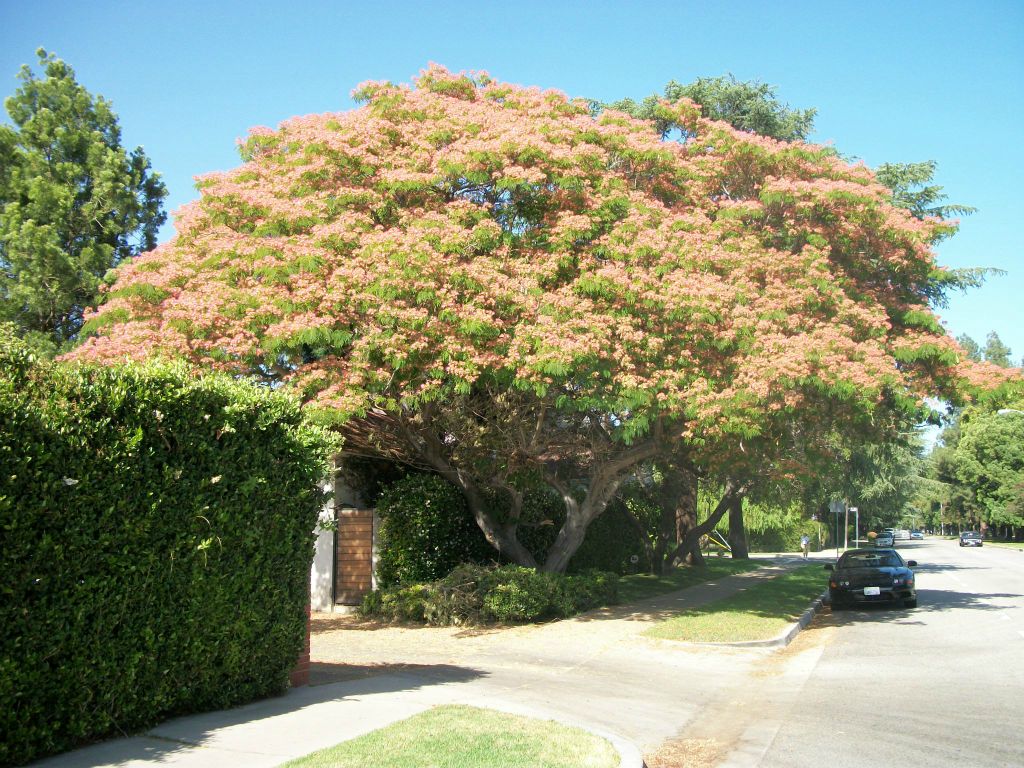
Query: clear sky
x=892, y=81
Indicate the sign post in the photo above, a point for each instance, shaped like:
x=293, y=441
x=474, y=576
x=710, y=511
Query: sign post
x=837, y=507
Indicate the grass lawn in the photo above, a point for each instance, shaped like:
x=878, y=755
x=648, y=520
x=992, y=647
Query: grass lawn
x=641, y=585
x=758, y=613
x=1007, y=544
x=468, y=737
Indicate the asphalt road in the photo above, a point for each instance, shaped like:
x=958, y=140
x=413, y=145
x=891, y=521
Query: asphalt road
x=942, y=684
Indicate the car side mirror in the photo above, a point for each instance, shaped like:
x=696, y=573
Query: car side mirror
x=911, y=563
x=829, y=567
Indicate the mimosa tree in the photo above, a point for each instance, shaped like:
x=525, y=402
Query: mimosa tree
x=486, y=280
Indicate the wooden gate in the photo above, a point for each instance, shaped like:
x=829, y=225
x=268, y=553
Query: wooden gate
x=353, y=556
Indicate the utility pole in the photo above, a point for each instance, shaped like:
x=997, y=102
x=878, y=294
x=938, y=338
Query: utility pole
x=856, y=526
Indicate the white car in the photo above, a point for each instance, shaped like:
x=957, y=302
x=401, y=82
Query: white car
x=884, y=540
x=901, y=535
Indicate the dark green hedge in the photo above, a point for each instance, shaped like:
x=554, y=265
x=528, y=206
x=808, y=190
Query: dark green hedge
x=155, y=546
x=475, y=594
x=611, y=541
x=425, y=531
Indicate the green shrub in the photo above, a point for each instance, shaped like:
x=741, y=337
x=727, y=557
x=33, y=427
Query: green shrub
x=588, y=589
x=516, y=594
x=155, y=545
x=475, y=594
x=425, y=531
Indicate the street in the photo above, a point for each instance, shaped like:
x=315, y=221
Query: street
x=938, y=685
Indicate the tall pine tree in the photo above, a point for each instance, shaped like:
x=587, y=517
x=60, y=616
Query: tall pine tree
x=73, y=203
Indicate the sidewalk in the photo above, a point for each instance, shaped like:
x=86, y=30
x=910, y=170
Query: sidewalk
x=593, y=671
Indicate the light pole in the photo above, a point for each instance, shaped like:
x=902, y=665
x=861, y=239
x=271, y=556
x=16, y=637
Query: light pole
x=856, y=526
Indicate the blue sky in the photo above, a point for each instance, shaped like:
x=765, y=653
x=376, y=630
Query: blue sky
x=892, y=81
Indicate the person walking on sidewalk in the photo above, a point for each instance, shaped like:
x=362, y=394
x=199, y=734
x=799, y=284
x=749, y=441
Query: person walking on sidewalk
x=805, y=544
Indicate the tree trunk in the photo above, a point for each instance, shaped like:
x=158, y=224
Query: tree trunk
x=737, y=531
x=503, y=537
x=686, y=521
x=732, y=490
x=605, y=479
x=569, y=537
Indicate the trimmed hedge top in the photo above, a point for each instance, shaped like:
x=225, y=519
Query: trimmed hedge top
x=156, y=535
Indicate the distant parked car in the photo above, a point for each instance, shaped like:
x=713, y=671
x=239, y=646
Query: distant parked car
x=872, y=576
x=916, y=535
x=971, y=539
x=902, y=535
x=883, y=540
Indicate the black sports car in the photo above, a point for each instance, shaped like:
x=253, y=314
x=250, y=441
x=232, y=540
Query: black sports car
x=872, y=576
x=971, y=539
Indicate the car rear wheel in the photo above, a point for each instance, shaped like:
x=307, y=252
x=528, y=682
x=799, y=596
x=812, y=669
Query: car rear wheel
x=910, y=603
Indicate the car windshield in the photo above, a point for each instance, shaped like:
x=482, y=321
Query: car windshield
x=870, y=560
x=971, y=535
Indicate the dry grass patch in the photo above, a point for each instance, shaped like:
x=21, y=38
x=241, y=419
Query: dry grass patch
x=687, y=753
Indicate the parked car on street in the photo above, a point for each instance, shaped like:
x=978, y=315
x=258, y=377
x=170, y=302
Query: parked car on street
x=971, y=539
x=884, y=540
x=916, y=535
x=902, y=535
x=872, y=576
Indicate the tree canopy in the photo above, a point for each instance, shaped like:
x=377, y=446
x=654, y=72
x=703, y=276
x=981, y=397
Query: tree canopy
x=746, y=105
x=994, y=351
x=73, y=202
x=988, y=461
x=506, y=286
